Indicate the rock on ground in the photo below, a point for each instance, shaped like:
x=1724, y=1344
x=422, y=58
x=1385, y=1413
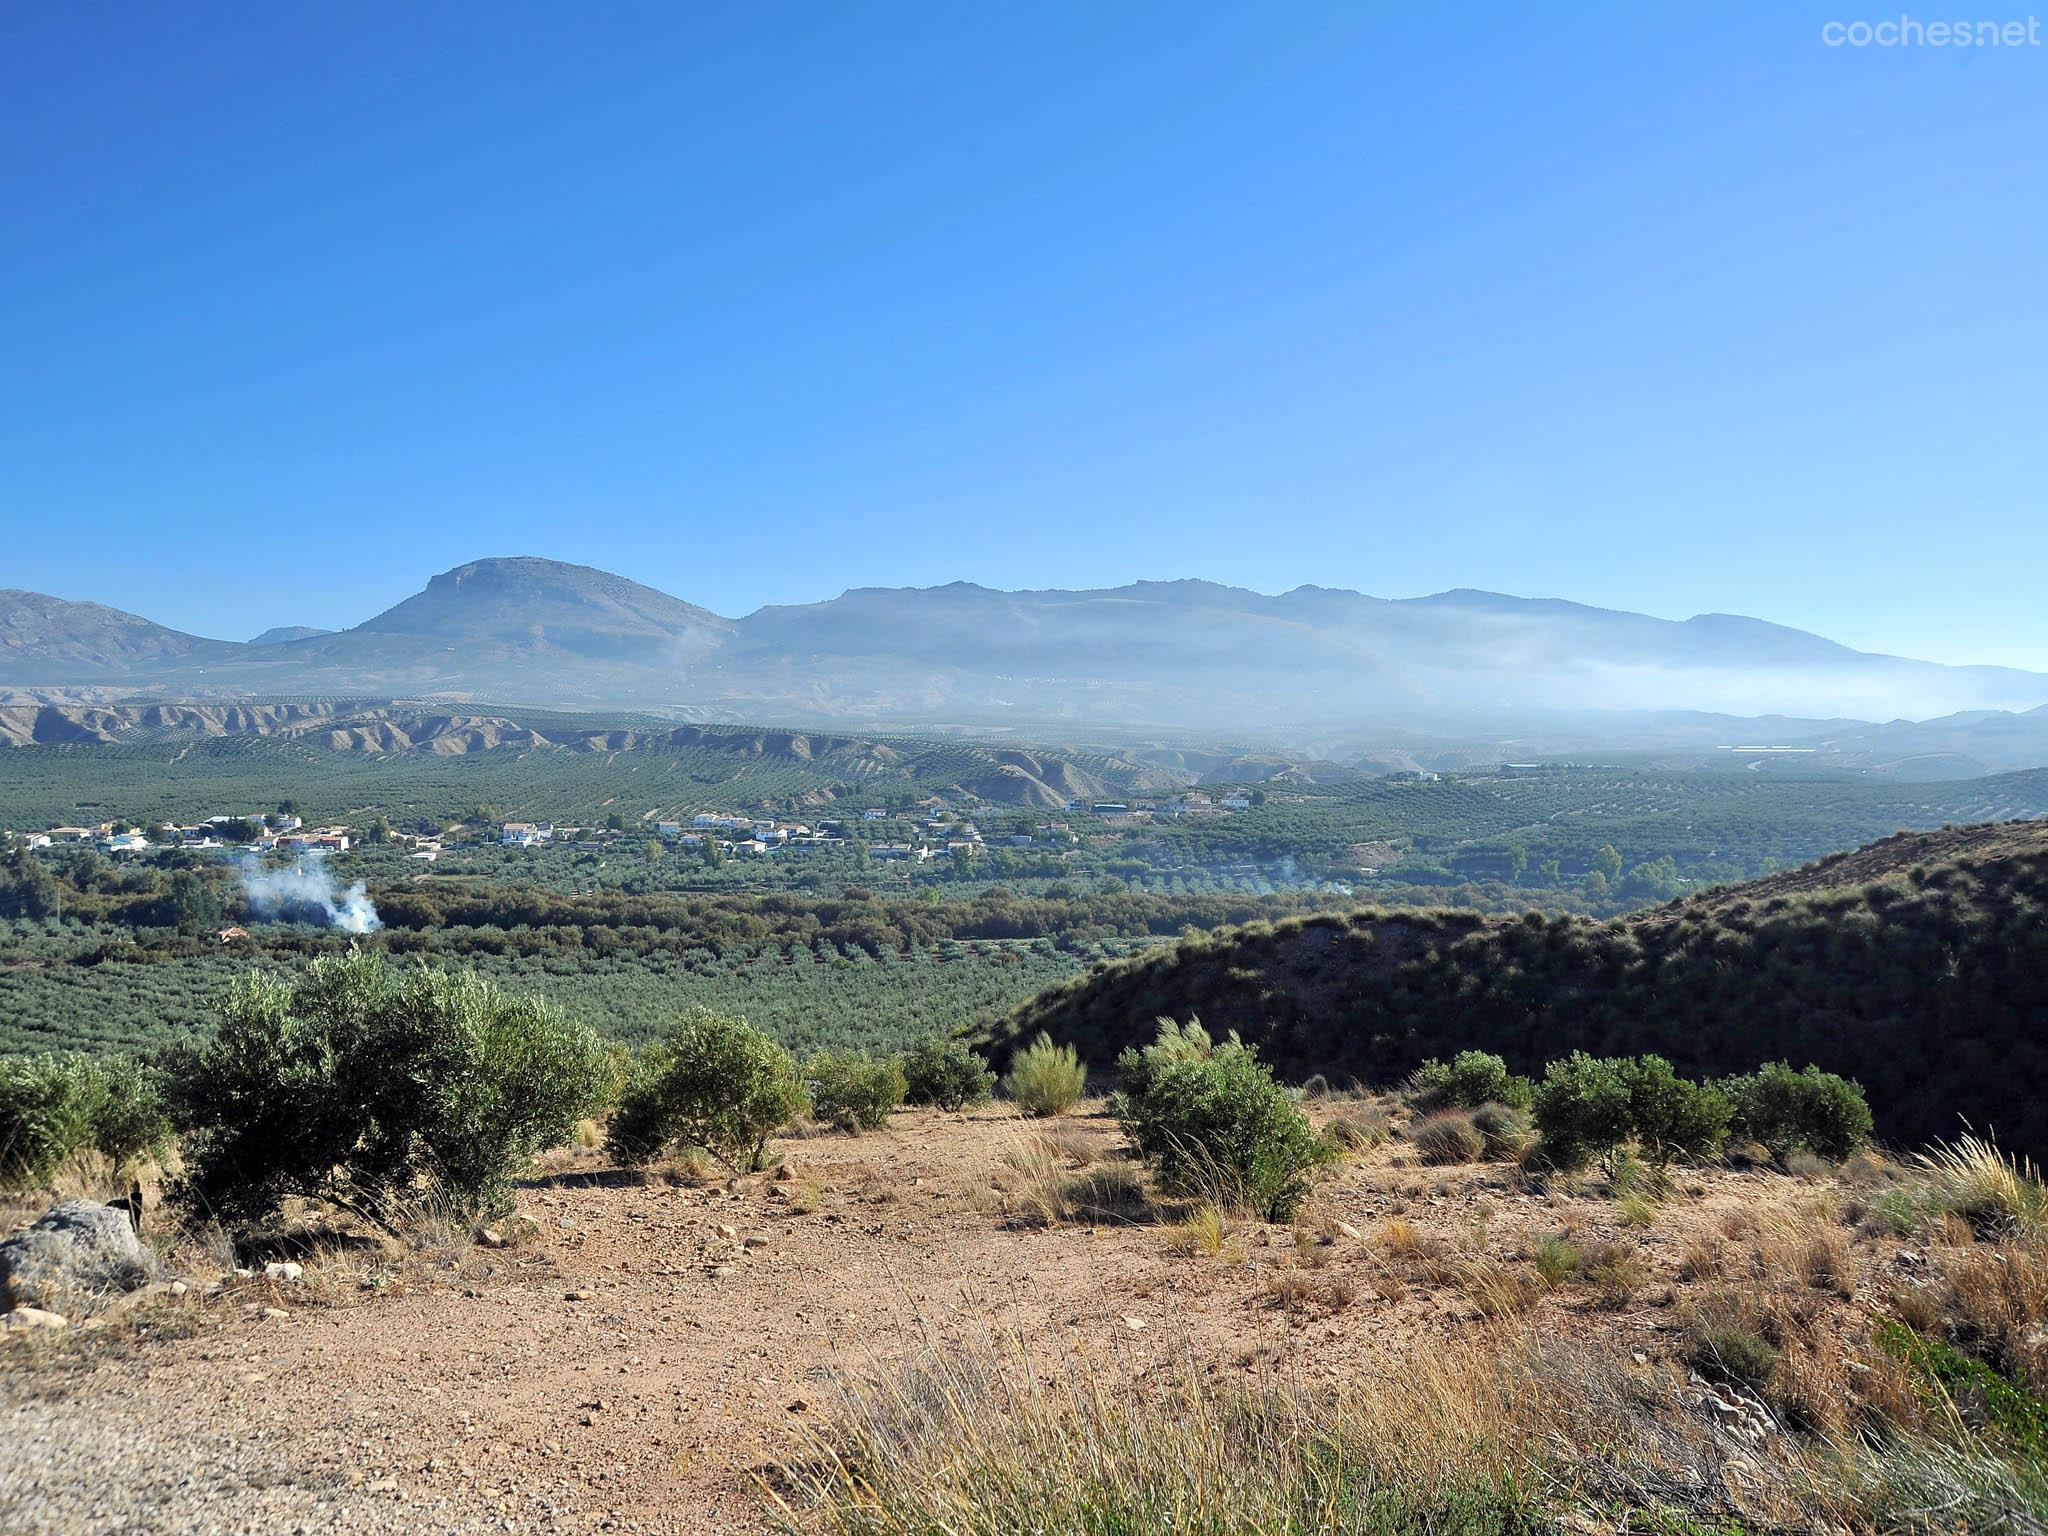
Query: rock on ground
x=78, y=1249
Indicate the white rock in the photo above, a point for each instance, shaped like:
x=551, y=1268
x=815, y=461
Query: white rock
x=283, y=1271
x=24, y=1318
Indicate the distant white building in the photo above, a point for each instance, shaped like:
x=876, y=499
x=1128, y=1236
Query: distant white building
x=525, y=834
x=1236, y=802
x=873, y=813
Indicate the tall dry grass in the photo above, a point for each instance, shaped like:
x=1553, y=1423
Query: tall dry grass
x=1499, y=1434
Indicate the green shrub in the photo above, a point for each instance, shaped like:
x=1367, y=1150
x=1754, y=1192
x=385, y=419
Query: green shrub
x=1581, y=1109
x=366, y=1089
x=54, y=1106
x=1448, y=1137
x=1589, y=1106
x=714, y=1083
x=1787, y=1110
x=1046, y=1079
x=1669, y=1116
x=1724, y=1351
x=1470, y=1079
x=852, y=1091
x=1558, y=1259
x=1212, y=1120
x=947, y=1074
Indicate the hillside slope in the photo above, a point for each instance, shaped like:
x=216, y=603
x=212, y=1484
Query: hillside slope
x=43, y=637
x=1917, y=965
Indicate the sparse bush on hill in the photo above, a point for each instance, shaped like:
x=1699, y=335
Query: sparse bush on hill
x=1505, y=1131
x=1212, y=1120
x=55, y=1106
x=370, y=1089
x=1669, y=1116
x=1581, y=1109
x=853, y=1091
x=1589, y=1106
x=1786, y=1111
x=1448, y=1136
x=1468, y=1080
x=1360, y=1132
x=712, y=1083
x=1915, y=967
x=947, y=1074
x=1045, y=1079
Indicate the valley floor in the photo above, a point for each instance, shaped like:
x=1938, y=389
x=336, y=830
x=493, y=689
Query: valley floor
x=649, y=1358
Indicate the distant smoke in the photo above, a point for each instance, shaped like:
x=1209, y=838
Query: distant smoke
x=304, y=893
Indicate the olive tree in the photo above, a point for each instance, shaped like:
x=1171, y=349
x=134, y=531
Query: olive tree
x=367, y=1088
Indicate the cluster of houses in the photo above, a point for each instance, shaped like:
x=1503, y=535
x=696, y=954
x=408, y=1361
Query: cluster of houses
x=932, y=832
x=1194, y=803
x=262, y=832
x=931, y=829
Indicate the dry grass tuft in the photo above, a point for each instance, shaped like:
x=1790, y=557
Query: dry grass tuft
x=1636, y=1210
x=1500, y=1433
x=1402, y=1238
x=1201, y=1233
x=1042, y=1188
x=1497, y=1290
x=1993, y=1192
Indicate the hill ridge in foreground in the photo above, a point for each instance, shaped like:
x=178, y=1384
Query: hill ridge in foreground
x=1917, y=965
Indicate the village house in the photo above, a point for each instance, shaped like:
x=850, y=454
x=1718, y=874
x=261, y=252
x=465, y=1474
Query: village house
x=524, y=834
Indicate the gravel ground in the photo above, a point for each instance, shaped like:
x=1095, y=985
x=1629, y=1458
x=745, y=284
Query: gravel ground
x=89, y=1451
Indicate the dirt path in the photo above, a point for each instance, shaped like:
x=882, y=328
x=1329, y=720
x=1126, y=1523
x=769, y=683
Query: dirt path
x=642, y=1360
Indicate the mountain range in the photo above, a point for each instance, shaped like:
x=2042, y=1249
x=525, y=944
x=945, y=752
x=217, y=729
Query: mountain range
x=1191, y=658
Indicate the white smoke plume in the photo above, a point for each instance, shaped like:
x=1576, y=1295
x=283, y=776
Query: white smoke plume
x=304, y=893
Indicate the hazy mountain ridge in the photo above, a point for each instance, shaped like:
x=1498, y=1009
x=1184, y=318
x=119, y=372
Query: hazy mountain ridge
x=1191, y=656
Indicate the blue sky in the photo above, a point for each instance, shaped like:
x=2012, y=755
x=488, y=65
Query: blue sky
x=1664, y=307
